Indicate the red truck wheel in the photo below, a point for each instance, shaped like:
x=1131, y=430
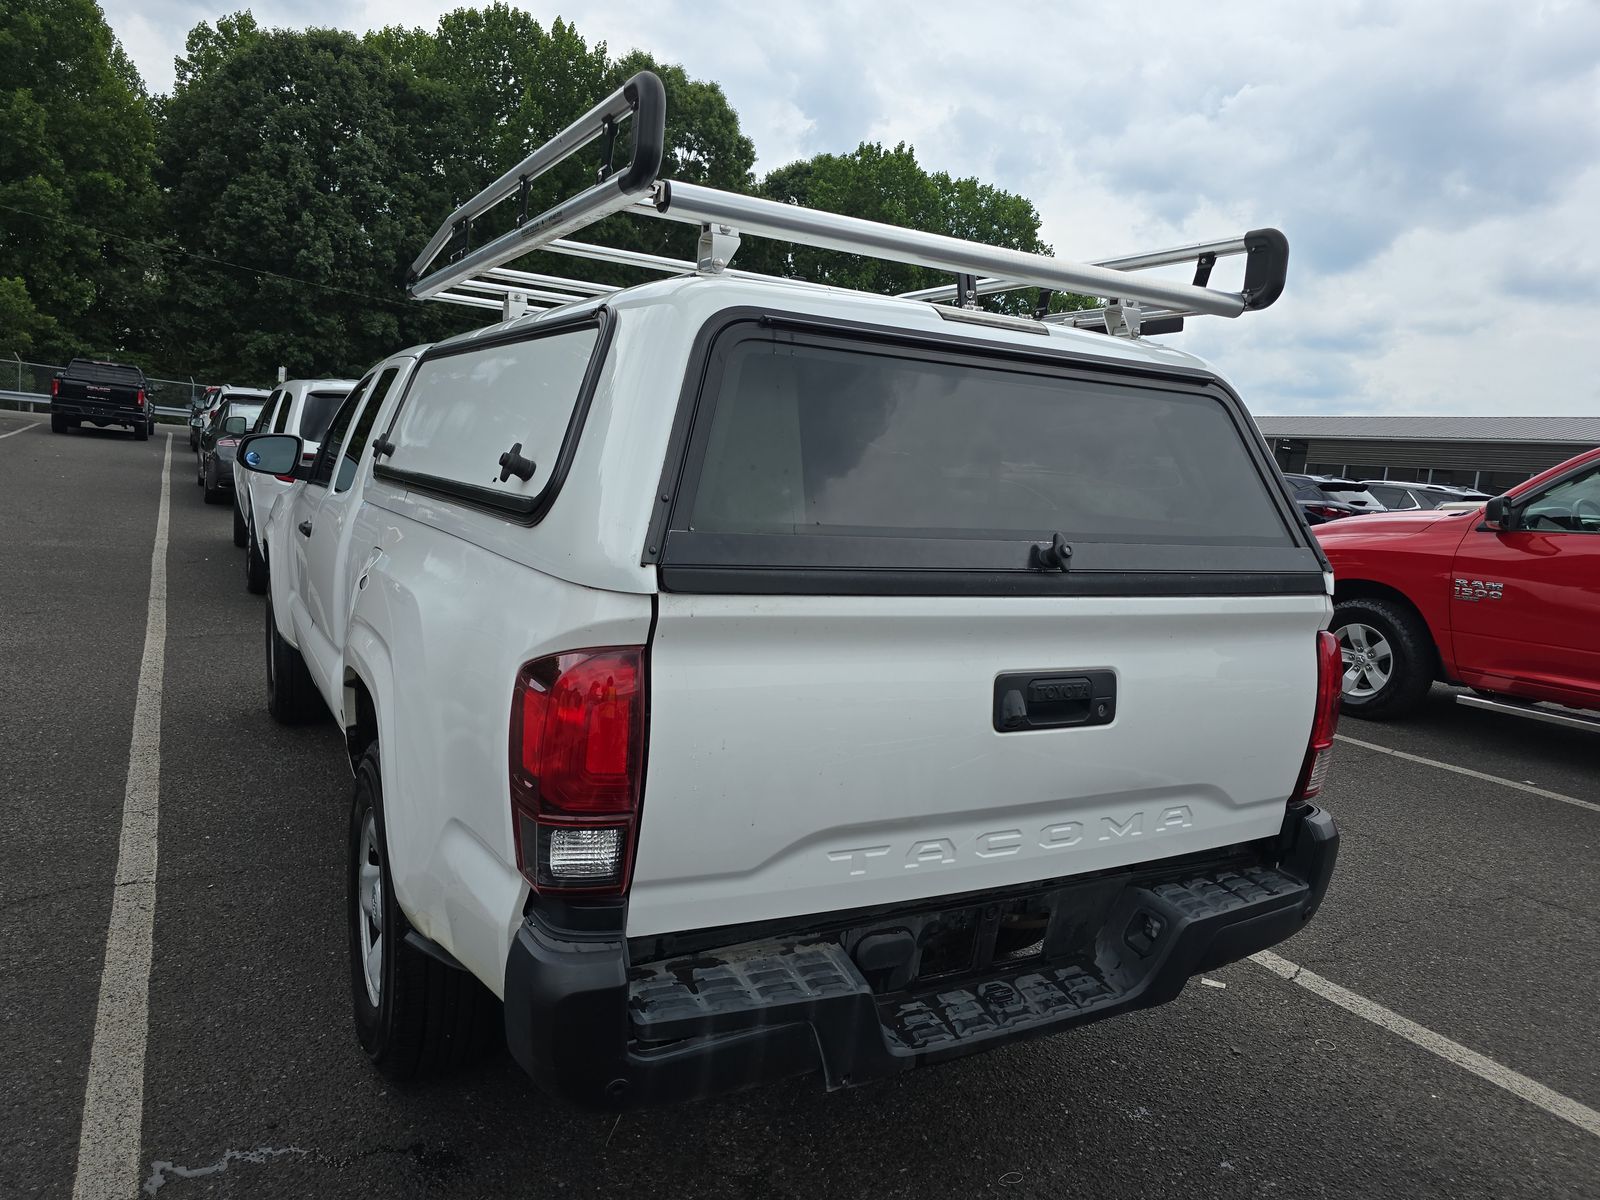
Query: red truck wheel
x=1388, y=655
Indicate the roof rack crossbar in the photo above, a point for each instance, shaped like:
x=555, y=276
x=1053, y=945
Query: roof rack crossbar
x=449, y=261
x=582, y=287
x=532, y=295
x=652, y=262
x=468, y=301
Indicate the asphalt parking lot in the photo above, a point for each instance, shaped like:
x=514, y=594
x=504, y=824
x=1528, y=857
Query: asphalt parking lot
x=1461, y=904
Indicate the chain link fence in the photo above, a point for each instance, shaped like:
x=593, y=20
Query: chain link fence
x=25, y=385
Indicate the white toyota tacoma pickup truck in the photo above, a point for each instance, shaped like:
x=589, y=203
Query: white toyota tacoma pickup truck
x=744, y=678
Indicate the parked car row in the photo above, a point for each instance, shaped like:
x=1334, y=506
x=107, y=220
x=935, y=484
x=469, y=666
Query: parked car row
x=233, y=413
x=1323, y=498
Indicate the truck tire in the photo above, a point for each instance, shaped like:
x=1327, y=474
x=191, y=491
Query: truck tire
x=292, y=697
x=415, y=1016
x=58, y=423
x=255, y=565
x=141, y=432
x=208, y=480
x=1395, y=656
x=240, y=532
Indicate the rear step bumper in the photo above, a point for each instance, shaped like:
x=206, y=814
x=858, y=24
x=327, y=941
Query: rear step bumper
x=588, y=1027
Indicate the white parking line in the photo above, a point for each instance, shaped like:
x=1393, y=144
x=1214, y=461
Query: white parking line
x=1444, y=766
x=113, y=1103
x=1553, y=1102
x=24, y=429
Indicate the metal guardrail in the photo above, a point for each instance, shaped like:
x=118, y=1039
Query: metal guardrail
x=28, y=385
x=35, y=401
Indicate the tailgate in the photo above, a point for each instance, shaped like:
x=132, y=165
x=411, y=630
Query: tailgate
x=104, y=396
x=810, y=754
x=899, y=579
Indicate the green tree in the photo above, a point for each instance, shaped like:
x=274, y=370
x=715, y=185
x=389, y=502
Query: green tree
x=507, y=85
x=208, y=47
x=300, y=181
x=76, y=196
x=891, y=186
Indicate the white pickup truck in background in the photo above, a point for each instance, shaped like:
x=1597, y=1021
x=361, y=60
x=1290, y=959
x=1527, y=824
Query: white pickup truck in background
x=744, y=679
x=300, y=406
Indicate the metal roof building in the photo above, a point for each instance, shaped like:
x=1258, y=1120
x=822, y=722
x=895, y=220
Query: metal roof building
x=1491, y=453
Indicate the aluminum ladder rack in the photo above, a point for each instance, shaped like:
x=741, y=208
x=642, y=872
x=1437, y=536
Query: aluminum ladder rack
x=451, y=268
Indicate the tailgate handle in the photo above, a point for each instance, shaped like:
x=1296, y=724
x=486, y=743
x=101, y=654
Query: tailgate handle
x=1054, y=699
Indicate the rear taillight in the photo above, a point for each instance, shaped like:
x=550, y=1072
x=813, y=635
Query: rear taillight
x=138, y=398
x=577, y=766
x=1330, y=679
x=1325, y=510
x=55, y=387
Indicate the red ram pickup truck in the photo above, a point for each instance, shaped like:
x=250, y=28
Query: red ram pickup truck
x=1504, y=597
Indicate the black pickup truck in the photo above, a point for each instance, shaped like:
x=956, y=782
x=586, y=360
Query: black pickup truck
x=101, y=393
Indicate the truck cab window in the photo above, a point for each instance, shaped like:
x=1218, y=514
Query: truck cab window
x=351, y=459
x=322, y=469
x=1571, y=506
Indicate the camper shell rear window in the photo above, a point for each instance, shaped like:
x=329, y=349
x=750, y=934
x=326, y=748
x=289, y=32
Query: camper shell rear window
x=817, y=454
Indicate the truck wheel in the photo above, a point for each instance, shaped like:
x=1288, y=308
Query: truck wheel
x=255, y=565
x=58, y=423
x=208, y=480
x=141, y=432
x=292, y=697
x=240, y=532
x=1389, y=658
x=415, y=1016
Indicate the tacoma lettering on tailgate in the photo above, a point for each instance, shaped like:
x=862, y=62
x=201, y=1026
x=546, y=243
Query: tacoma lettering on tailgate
x=1001, y=843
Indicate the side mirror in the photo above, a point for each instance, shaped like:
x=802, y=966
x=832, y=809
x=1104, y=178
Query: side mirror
x=1498, y=513
x=270, y=453
x=235, y=425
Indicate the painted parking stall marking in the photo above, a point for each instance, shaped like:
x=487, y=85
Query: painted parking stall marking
x=1518, y=1084
x=24, y=429
x=1444, y=766
x=113, y=1102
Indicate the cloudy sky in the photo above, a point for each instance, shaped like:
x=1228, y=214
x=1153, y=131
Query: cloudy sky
x=1436, y=166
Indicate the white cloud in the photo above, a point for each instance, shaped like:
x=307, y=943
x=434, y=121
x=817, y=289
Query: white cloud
x=1431, y=163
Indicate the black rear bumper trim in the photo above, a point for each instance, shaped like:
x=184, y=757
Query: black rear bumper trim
x=591, y=1029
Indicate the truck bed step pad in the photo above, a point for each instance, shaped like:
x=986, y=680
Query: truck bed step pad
x=777, y=982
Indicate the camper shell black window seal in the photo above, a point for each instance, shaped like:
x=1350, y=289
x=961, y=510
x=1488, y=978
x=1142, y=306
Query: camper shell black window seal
x=524, y=510
x=757, y=563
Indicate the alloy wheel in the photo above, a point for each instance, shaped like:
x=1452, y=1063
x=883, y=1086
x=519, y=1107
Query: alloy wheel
x=1368, y=660
x=369, y=908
